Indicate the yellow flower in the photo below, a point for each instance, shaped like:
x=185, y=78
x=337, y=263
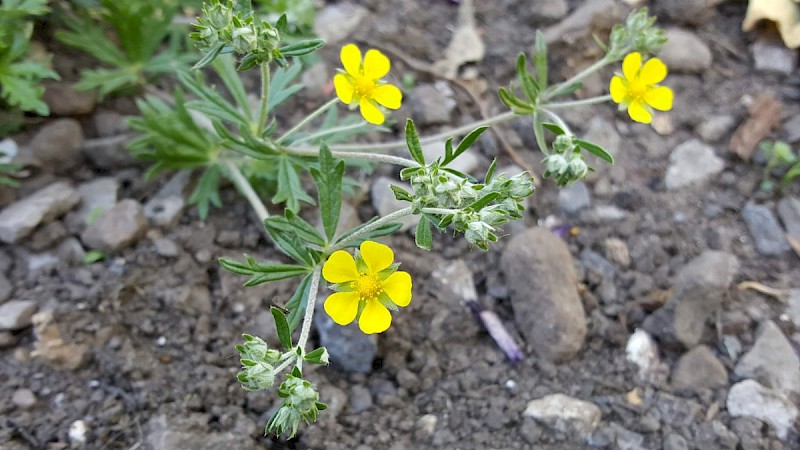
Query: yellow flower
x=367, y=287
x=360, y=83
x=636, y=90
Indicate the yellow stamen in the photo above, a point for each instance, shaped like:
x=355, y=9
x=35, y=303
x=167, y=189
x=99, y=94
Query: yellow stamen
x=368, y=286
x=637, y=89
x=363, y=86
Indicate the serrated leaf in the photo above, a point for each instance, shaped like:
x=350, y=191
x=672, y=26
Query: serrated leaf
x=329, y=189
x=282, y=326
x=412, y=142
x=423, y=236
x=596, y=150
x=289, y=189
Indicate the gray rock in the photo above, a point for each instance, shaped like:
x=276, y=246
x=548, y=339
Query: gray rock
x=118, y=228
x=617, y=251
x=792, y=128
x=46, y=235
x=772, y=361
x=6, y=289
x=789, y=212
x=454, y=283
x=109, y=153
x=360, y=399
x=685, y=52
x=598, y=268
x=109, y=123
x=57, y=145
x=699, y=290
x=7, y=339
x=168, y=433
x=626, y=439
x=678, y=411
x=542, y=283
x=692, y=162
x=574, y=198
x=770, y=55
x=643, y=351
x=698, y=369
x=431, y=104
x=794, y=306
x=166, y=247
x=715, y=127
x=19, y=219
x=8, y=150
x=70, y=251
x=349, y=349
x=675, y=441
x=578, y=24
x=64, y=100
x=748, y=398
x=165, y=208
x=467, y=162
x=548, y=11
x=99, y=196
x=16, y=314
x=336, y=21
x=691, y=12
x=565, y=414
x=23, y=398
x=384, y=201
x=767, y=233
x=602, y=132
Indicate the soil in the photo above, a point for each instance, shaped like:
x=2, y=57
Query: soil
x=159, y=360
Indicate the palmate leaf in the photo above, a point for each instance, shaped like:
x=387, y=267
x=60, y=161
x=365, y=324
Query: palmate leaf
x=329, y=189
x=262, y=272
x=206, y=193
x=289, y=189
x=19, y=85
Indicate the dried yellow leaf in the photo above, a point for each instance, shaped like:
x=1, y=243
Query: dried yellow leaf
x=785, y=14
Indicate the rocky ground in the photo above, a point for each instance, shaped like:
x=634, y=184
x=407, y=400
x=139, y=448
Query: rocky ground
x=625, y=291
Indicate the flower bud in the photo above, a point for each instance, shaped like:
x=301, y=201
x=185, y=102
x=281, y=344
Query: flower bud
x=578, y=169
x=245, y=39
x=556, y=163
x=563, y=144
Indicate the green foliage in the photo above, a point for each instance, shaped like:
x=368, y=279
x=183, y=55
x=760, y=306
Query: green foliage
x=7, y=172
x=20, y=72
x=329, y=189
x=780, y=158
x=137, y=55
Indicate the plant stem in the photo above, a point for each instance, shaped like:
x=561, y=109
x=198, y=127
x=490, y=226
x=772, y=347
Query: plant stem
x=583, y=102
x=374, y=157
x=308, y=119
x=330, y=131
x=400, y=144
x=444, y=211
x=558, y=121
x=262, y=116
x=578, y=77
x=246, y=189
x=399, y=214
x=310, y=304
x=285, y=364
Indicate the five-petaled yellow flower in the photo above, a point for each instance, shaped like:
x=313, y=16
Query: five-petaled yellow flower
x=636, y=90
x=360, y=83
x=366, y=287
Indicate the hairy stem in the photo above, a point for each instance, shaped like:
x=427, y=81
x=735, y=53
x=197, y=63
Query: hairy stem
x=399, y=214
x=308, y=119
x=563, y=86
x=310, y=304
x=442, y=211
x=559, y=121
x=373, y=157
x=246, y=189
x=262, y=116
x=582, y=102
x=328, y=132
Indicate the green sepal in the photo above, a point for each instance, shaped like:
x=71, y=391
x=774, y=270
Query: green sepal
x=317, y=356
x=282, y=326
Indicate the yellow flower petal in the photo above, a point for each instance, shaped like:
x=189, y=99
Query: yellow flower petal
x=375, y=318
x=376, y=65
x=617, y=89
x=659, y=97
x=388, y=96
x=376, y=255
x=342, y=307
x=340, y=268
x=344, y=90
x=370, y=112
x=351, y=59
x=398, y=288
x=639, y=113
x=631, y=65
x=653, y=72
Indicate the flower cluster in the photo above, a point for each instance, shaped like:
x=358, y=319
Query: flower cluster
x=638, y=34
x=258, y=364
x=360, y=84
x=367, y=287
x=300, y=402
x=565, y=163
x=479, y=208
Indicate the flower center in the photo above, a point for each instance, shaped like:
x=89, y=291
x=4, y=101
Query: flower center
x=363, y=86
x=368, y=286
x=637, y=89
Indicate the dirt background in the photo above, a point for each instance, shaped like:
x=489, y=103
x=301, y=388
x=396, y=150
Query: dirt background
x=146, y=357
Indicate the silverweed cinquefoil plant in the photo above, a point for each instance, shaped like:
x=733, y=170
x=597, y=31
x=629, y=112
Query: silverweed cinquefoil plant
x=366, y=287
x=218, y=131
x=360, y=84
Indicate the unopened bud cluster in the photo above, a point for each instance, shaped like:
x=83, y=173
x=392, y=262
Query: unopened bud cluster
x=258, y=364
x=566, y=164
x=435, y=187
x=223, y=27
x=300, y=402
x=638, y=34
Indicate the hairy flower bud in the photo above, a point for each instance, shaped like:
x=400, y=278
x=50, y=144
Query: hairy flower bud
x=245, y=39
